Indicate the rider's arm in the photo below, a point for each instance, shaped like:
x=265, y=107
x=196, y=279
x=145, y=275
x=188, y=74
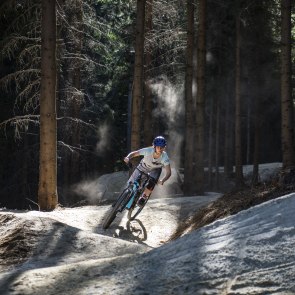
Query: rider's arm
x=131, y=155
x=167, y=174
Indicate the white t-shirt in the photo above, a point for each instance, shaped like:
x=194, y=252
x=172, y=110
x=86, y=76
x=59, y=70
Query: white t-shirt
x=149, y=163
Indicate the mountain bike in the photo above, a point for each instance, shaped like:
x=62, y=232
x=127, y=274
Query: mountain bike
x=128, y=199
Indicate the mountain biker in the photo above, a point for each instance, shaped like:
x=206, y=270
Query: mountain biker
x=154, y=158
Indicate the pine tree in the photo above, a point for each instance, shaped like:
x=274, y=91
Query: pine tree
x=189, y=105
x=47, y=194
x=288, y=147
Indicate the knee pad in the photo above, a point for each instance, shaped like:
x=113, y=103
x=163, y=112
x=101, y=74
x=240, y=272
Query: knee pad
x=151, y=184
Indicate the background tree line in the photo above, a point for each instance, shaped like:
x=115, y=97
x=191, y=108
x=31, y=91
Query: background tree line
x=214, y=77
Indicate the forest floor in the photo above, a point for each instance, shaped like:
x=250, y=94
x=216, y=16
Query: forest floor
x=67, y=250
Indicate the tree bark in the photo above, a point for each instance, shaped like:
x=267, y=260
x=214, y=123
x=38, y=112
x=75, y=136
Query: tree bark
x=138, y=76
x=217, y=138
x=288, y=148
x=228, y=136
x=238, y=137
x=25, y=169
x=200, y=100
x=255, y=173
x=211, y=142
x=148, y=99
x=258, y=85
x=47, y=193
x=189, y=106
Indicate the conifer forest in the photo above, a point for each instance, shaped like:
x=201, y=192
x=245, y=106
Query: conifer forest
x=84, y=82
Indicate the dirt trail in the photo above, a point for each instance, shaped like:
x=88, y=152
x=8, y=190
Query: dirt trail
x=37, y=246
x=247, y=253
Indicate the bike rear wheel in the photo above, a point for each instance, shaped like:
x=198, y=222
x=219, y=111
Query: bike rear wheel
x=118, y=207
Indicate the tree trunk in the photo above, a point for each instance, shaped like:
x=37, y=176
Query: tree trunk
x=77, y=96
x=189, y=106
x=249, y=120
x=258, y=85
x=286, y=90
x=138, y=76
x=255, y=173
x=47, y=193
x=148, y=99
x=200, y=101
x=238, y=136
x=25, y=169
x=211, y=141
x=228, y=141
x=217, y=137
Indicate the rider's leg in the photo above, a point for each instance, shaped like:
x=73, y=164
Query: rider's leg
x=132, y=178
x=147, y=192
x=155, y=175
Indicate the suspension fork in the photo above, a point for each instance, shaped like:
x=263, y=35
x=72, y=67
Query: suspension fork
x=135, y=188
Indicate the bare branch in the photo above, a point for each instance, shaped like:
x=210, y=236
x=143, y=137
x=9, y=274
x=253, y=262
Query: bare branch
x=78, y=121
x=33, y=203
x=19, y=77
x=29, y=89
x=19, y=123
x=67, y=146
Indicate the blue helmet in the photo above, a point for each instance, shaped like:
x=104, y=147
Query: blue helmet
x=159, y=141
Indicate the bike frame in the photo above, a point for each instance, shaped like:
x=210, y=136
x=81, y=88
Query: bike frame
x=136, y=186
x=127, y=199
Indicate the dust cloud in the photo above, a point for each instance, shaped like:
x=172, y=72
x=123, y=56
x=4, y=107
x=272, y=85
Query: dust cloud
x=170, y=108
x=103, y=132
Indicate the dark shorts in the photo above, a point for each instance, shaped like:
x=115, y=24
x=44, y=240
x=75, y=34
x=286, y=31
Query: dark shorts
x=155, y=175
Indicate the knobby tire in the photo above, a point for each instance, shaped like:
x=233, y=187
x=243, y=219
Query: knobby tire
x=134, y=211
x=119, y=206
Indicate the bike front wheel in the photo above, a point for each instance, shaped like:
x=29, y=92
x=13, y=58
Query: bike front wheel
x=135, y=210
x=118, y=207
